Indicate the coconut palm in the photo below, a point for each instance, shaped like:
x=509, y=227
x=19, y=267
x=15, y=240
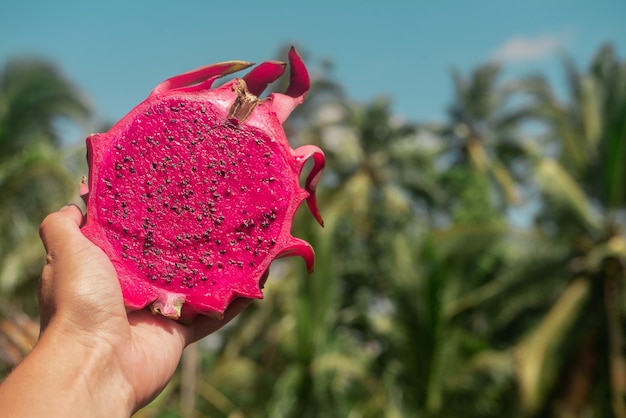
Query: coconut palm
x=287, y=356
x=590, y=128
x=34, y=99
x=483, y=131
x=553, y=306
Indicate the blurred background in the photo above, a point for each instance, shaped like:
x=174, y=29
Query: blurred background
x=472, y=262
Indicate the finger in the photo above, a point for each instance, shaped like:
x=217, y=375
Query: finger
x=204, y=325
x=58, y=228
x=54, y=229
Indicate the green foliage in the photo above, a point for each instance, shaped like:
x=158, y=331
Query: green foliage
x=428, y=299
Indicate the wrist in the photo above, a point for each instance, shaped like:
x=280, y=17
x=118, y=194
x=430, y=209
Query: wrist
x=87, y=379
x=93, y=371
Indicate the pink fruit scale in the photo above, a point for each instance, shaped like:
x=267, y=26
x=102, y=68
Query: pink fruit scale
x=192, y=194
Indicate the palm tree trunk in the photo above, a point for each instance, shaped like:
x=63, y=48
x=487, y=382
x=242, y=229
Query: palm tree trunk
x=189, y=372
x=613, y=271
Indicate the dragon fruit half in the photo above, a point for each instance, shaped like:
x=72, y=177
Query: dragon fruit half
x=191, y=194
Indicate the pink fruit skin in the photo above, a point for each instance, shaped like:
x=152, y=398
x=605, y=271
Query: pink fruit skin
x=191, y=194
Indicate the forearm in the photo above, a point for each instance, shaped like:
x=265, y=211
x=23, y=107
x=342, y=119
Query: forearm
x=65, y=378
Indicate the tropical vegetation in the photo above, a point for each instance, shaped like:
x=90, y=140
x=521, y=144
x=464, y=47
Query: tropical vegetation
x=473, y=267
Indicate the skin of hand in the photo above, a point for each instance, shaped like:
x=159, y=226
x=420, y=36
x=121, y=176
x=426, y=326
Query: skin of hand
x=93, y=358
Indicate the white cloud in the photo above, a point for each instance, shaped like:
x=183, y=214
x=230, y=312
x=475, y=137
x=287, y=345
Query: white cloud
x=519, y=48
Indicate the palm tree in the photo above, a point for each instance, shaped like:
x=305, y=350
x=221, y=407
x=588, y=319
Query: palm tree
x=292, y=354
x=590, y=128
x=34, y=99
x=483, y=131
x=553, y=305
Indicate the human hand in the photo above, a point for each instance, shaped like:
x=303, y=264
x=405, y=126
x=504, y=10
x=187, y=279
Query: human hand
x=121, y=361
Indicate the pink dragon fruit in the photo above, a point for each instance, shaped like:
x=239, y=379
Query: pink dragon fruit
x=191, y=194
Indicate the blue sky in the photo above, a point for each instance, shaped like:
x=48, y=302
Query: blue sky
x=116, y=51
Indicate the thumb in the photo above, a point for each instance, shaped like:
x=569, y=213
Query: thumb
x=61, y=229
x=70, y=261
